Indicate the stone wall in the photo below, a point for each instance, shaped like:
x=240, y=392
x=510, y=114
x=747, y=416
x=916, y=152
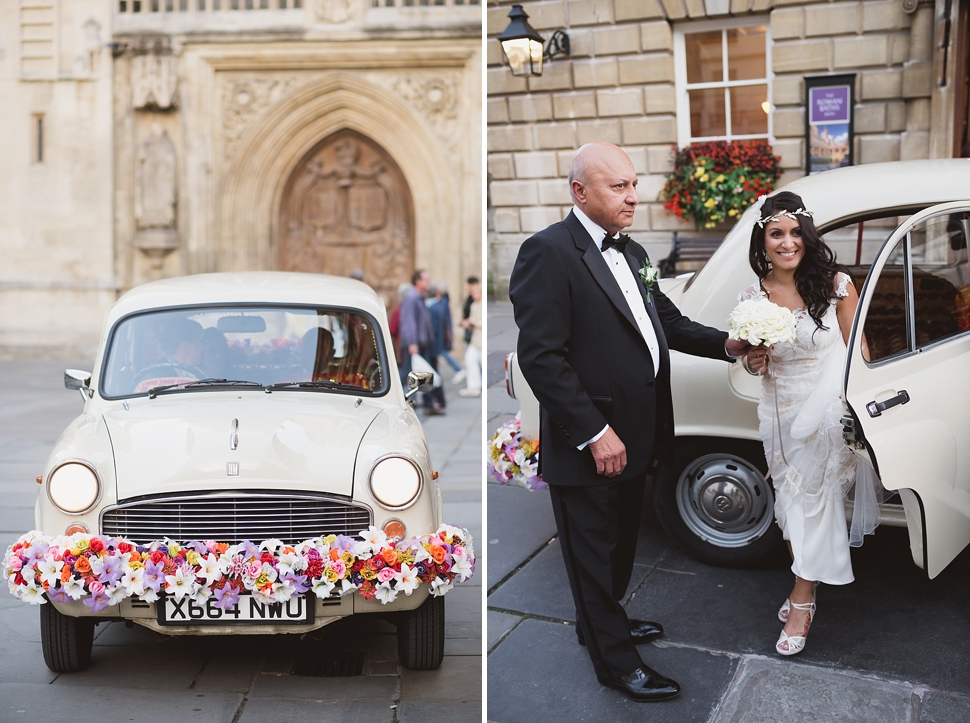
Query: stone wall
x=56, y=278
x=171, y=130
x=618, y=86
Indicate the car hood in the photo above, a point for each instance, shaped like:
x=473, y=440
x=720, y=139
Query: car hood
x=294, y=440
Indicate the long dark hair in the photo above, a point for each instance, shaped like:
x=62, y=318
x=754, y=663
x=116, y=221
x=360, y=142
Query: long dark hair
x=815, y=275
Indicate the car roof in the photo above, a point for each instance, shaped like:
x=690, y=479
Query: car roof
x=842, y=193
x=249, y=287
x=849, y=191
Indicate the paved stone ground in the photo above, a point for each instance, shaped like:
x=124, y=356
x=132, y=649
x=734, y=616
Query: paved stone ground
x=890, y=648
x=137, y=677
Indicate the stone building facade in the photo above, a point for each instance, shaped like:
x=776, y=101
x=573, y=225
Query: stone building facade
x=628, y=81
x=142, y=139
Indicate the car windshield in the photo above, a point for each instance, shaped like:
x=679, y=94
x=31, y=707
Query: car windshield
x=233, y=348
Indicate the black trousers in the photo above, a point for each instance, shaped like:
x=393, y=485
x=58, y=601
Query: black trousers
x=598, y=528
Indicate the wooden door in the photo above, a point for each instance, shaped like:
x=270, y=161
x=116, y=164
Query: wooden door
x=347, y=206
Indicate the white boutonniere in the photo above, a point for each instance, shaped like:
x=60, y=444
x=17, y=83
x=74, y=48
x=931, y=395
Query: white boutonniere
x=648, y=277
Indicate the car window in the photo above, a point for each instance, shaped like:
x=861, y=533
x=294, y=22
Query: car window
x=265, y=346
x=856, y=242
x=922, y=295
x=941, y=294
x=885, y=326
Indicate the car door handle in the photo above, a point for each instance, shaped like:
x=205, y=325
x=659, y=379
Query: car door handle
x=875, y=409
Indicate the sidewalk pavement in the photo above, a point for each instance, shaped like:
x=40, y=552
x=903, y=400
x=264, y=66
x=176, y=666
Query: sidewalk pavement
x=887, y=649
x=138, y=676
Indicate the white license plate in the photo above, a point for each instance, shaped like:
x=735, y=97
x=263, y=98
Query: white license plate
x=298, y=610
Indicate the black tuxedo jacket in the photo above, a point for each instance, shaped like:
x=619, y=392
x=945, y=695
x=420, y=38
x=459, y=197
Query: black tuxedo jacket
x=583, y=354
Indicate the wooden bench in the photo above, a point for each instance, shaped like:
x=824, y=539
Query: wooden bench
x=688, y=253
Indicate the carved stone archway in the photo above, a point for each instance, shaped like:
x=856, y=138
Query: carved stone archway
x=247, y=232
x=347, y=206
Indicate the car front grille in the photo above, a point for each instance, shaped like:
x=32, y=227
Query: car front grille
x=233, y=517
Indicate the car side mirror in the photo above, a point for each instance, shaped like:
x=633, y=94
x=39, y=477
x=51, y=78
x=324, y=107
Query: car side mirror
x=419, y=382
x=80, y=380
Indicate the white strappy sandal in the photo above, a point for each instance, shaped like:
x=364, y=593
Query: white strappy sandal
x=796, y=643
x=786, y=606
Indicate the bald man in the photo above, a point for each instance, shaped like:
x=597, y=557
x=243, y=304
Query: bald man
x=593, y=345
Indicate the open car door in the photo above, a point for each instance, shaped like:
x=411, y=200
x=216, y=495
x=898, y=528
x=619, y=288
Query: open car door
x=907, y=378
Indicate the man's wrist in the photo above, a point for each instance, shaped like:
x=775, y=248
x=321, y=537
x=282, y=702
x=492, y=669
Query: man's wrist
x=588, y=442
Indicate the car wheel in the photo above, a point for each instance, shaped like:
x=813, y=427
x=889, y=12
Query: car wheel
x=715, y=503
x=66, y=641
x=421, y=635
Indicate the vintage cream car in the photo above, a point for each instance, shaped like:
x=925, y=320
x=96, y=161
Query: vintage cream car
x=231, y=407
x=906, y=406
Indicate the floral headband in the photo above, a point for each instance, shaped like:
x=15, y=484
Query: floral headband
x=762, y=222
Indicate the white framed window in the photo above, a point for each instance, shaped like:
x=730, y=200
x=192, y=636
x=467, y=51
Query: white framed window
x=722, y=72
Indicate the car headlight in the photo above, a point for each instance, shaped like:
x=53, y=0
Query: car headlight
x=74, y=487
x=395, y=482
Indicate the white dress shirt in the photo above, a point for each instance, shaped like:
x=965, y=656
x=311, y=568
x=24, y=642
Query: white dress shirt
x=628, y=283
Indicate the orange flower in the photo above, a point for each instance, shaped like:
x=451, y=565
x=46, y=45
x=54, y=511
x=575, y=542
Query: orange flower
x=65, y=573
x=438, y=553
x=389, y=555
x=334, y=554
x=82, y=565
x=221, y=547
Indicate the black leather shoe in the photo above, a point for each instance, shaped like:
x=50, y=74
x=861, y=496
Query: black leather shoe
x=642, y=631
x=643, y=685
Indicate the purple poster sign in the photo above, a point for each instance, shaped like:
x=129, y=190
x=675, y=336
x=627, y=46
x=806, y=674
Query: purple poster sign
x=829, y=105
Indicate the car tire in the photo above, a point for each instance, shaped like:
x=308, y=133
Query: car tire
x=421, y=635
x=66, y=641
x=716, y=505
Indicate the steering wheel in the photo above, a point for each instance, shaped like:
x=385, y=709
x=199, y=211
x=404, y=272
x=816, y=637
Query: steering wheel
x=162, y=373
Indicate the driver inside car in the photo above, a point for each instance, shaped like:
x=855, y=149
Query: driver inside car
x=179, y=355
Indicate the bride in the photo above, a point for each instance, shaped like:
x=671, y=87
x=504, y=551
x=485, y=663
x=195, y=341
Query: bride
x=800, y=409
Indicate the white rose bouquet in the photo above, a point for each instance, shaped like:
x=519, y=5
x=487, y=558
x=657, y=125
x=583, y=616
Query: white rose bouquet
x=760, y=322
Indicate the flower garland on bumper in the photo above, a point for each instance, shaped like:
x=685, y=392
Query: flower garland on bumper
x=513, y=458
x=106, y=570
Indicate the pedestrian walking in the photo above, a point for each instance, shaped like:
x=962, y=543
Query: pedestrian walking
x=417, y=335
x=394, y=326
x=442, y=303
x=473, y=352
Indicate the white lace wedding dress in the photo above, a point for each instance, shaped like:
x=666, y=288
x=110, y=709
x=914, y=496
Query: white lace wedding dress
x=812, y=470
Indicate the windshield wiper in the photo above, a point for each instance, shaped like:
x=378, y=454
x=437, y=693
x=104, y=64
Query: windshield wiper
x=315, y=384
x=202, y=383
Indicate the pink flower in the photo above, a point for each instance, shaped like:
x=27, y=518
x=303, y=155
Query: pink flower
x=385, y=574
x=253, y=569
x=338, y=566
x=16, y=564
x=95, y=587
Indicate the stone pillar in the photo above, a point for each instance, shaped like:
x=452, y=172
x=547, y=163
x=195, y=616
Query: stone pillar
x=942, y=114
x=918, y=86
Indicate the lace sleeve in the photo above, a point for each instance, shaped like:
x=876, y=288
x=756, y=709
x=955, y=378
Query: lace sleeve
x=841, y=291
x=752, y=292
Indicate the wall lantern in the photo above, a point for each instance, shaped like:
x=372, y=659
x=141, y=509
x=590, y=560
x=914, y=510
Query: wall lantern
x=523, y=46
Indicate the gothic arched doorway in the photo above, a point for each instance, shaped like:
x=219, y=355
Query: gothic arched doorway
x=347, y=206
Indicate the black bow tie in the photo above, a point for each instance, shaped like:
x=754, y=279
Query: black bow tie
x=620, y=242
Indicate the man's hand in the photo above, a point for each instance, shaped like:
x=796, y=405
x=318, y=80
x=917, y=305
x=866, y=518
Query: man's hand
x=736, y=348
x=609, y=453
x=412, y=349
